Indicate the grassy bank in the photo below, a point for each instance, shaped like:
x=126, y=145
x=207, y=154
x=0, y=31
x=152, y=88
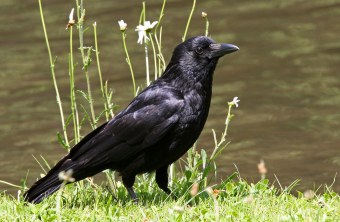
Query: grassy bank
x=230, y=201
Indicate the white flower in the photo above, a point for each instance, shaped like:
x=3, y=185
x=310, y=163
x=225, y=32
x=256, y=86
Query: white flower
x=66, y=176
x=70, y=17
x=122, y=25
x=178, y=209
x=71, y=20
x=235, y=101
x=143, y=29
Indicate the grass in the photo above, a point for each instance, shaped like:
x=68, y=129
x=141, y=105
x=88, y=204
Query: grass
x=229, y=201
x=191, y=181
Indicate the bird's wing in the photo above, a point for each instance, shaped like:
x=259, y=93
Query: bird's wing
x=148, y=118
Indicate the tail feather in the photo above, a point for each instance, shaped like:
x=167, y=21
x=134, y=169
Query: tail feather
x=41, y=195
x=42, y=188
x=49, y=184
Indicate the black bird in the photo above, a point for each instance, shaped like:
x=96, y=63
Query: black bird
x=155, y=129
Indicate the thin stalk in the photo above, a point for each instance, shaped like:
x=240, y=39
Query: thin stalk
x=58, y=201
x=106, y=101
x=129, y=63
x=154, y=55
x=224, y=134
x=90, y=99
x=161, y=15
x=189, y=20
x=81, y=15
x=52, y=65
x=206, y=25
x=108, y=96
x=142, y=21
x=110, y=178
x=161, y=61
x=142, y=15
x=160, y=57
x=228, y=119
x=74, y=109
x=172, y=173
x=147, y=64
x=144, y=12
x=66, y=177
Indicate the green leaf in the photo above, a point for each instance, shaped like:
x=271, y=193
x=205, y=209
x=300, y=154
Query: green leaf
x=204, y=157
x=62, y=141
x=188, y=174
x=68, y=120
x=84, y=94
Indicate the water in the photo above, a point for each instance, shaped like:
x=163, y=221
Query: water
x=286, y=75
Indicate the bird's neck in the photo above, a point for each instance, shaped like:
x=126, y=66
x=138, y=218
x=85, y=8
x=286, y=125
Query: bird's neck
x=188, y=79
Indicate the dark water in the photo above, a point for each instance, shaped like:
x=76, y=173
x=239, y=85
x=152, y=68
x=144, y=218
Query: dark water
x=286, y=76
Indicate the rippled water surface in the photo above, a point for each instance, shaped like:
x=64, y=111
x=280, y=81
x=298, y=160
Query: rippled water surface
x=286, y=76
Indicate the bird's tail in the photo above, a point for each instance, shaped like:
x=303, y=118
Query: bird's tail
x=51, y=183
x=47, y=185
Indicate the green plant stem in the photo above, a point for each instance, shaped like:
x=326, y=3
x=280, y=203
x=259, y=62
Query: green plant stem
x=160, y=57
x=142, y=15
x=142, y=21
x=81, y=15
x=108, y=95
x=161, y=61
x=58, y=201
x=219, y=147
x=206, y=26
x=172, y=173
x=189, y=20
x=144, y=12
x=227, y=122
x=154, y=55
x=147, y=64
x=52, y=66
x=161, y=15
x=90, y=99
x=110, y=178
x=225, y=133
x=104, y=94
x=129, y=63
x=74, y=109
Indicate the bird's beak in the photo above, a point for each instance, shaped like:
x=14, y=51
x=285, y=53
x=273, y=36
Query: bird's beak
x=221, y=49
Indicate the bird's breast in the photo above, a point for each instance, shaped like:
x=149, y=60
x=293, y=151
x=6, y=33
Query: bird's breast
x=195, y=113
x=197, y=100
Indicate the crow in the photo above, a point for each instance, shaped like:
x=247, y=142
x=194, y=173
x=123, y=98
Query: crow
x=155, y=129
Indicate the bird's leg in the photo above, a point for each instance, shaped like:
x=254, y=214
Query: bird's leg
x=128, y=183
x=162, y=180
x=132, y=194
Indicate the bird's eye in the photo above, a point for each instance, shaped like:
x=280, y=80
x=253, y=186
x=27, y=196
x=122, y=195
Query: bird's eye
x=199, y=50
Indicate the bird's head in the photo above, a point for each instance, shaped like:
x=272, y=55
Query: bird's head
x=200, y=52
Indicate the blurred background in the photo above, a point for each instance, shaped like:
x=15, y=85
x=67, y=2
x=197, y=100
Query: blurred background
x=286, y=76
